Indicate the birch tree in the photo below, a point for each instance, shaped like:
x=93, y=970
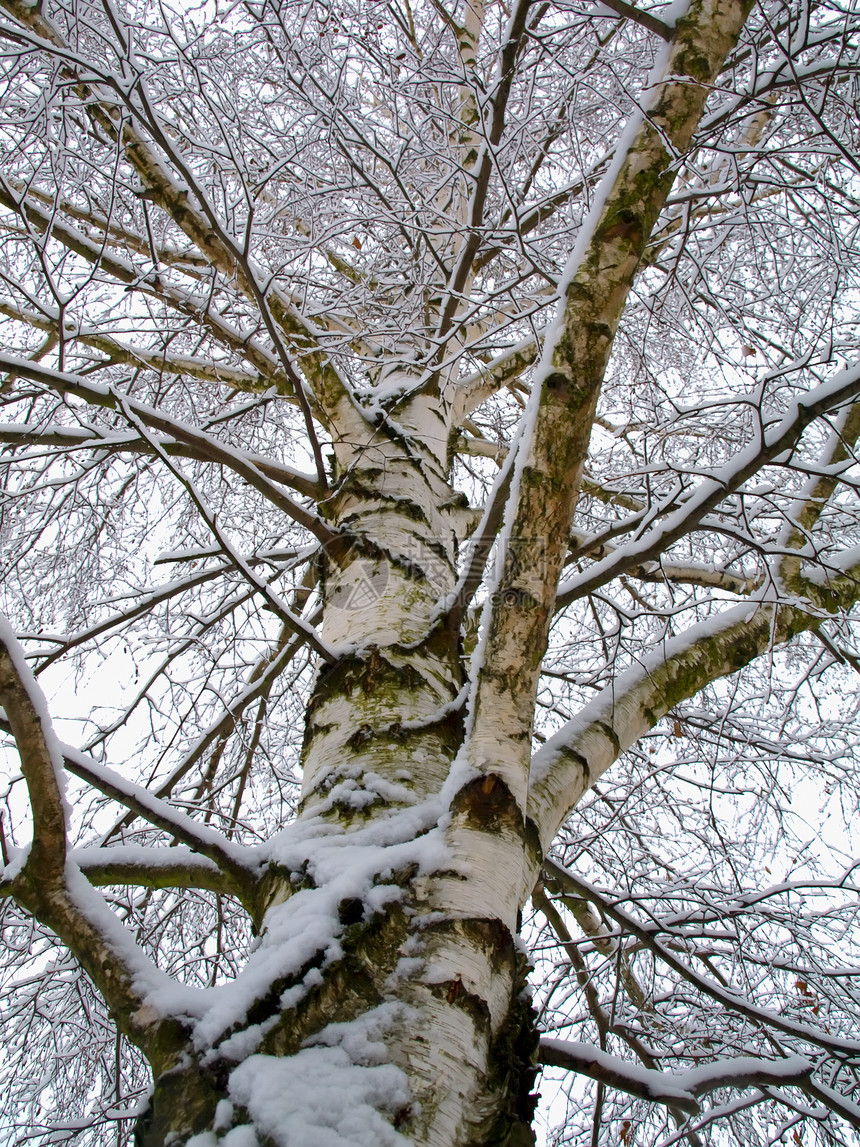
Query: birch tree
x=432, y=427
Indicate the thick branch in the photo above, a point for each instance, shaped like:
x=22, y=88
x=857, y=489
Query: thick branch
x=237, y=863
x=41, y=761
x=503, y=369
x=646, y=20
x=597, y=282
x=581, y=751
x=47, y=884
x=818, y=492
x=152, y=868
x=94, y=438
x=681, y=1090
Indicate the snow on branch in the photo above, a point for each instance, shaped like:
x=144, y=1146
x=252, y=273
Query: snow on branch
x=144, y=866
x=665, y=570
x=561, y=878
x=44, y=881
x=155, y=358
x=105, y=100
x=600, y=272
x=576, y=755
x=96, y=438
x=44, y=760
x=209, y=448
x=41, y=757
x=500, y=371
x=273, y=599
x=135, y=278
x=780, y=440
x=645, y=19
x=140, y=604
x=236, y=862
x=682, y=1089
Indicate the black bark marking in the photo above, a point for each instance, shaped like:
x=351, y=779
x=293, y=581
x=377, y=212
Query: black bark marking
x=487, y=803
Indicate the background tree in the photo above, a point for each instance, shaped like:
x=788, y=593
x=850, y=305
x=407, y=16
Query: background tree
x=438, y=404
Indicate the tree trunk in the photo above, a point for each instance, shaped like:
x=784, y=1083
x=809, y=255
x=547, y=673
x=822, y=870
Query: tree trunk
x=431, y=855
x=414, y=936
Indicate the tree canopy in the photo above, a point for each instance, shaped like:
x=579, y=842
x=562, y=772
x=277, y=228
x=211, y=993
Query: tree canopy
x=429, y=514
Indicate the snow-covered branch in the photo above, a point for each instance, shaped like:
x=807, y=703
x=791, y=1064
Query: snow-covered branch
x=682, y=1089
x=96, y=438
x=42, y=879
x=679, y=521
x=157, y=359
x=599, y=276
x=639, y=16
x=209, y=447
x=500, y=371
x=151, y=867
x=733, y=1000
x=41, y=761
x=580, y=752
x=237, y=863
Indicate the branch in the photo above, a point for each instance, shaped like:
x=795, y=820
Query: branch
x=188, y=305
x=188, y=366
x=143, y=605
x=231, y=867
x=187, y=261
x=41, y=759
x=604, y=942
x=481, y=542
x=818, y=491
x=213, y=451
x=646, y=20
x=665, y=571
x=265, y=672
x=496, y=106
x=581, y=751
x=475, y=388
x=136, y=279
x=681, y=1090
x=274, y=601
x=593, y=293
x=696, y=573
x=237, y=863
x=152, y=867
x=202, y=225
x=94, y=438
x=562, y=878
x=843, y=387
x=540, y=212
x=44, y=881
